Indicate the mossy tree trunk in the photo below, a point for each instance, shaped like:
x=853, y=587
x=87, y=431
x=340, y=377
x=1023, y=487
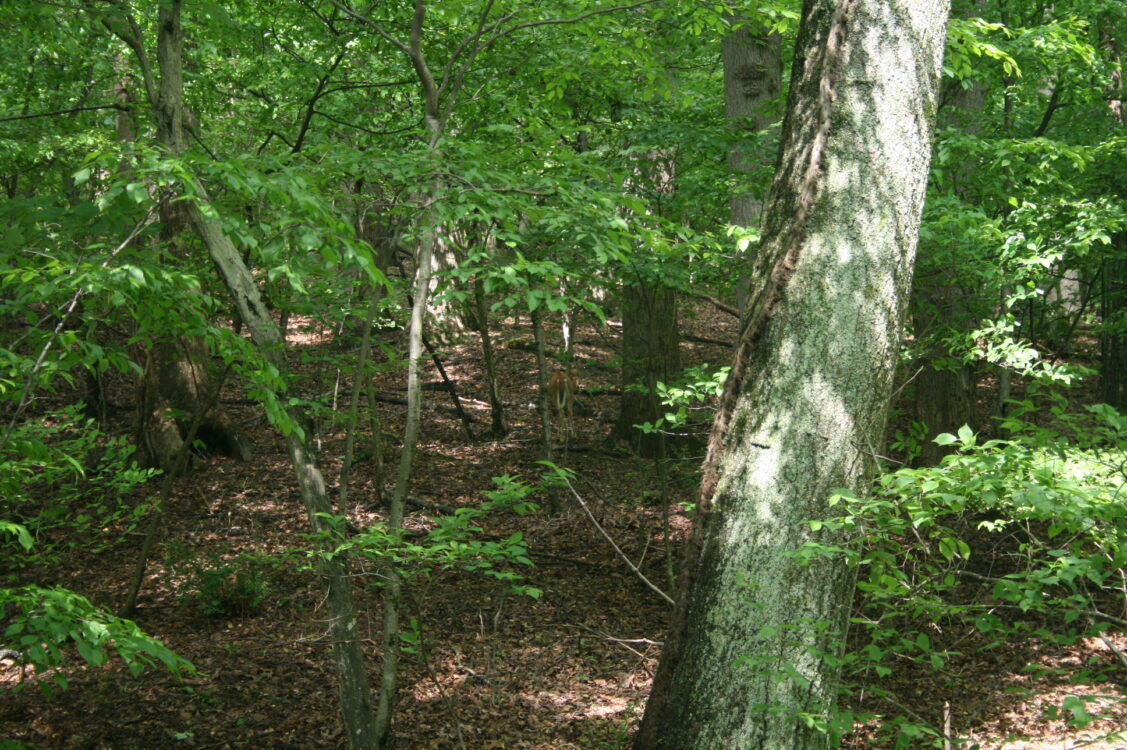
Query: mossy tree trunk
x=751, y=653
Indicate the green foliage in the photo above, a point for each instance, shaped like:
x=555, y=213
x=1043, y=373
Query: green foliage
x=43, y=623
x=1005, y=539
x=453, y=542
x=689, y=400
x=64, y=483
x=230, y=589
x=967, y=39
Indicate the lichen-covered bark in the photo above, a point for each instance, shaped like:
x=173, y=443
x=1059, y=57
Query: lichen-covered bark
x=807, y=400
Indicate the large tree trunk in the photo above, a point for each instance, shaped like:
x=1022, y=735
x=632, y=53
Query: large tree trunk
x=943, y=390
x=944, y=401
x=650, y=338
x=751, y=653
x=175, y=387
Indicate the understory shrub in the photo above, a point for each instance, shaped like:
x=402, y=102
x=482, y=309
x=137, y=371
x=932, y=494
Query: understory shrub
x=68, y=485
x=43, y=624
x=230, y=589
x=1004, y=541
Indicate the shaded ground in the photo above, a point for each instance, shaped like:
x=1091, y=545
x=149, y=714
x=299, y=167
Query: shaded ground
x=568, y=670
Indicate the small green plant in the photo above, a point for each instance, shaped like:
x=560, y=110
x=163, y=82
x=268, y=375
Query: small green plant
x=43, y=623
x=238, y=588
x=454, y=542
x=686, y=400
x=909, y=443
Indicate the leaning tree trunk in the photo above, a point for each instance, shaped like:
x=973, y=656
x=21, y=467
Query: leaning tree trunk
x=168, y=109
x=751, y=656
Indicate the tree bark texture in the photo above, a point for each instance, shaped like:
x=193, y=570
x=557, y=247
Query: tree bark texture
x=807, y=398
x=650, y=352
x=753, y=78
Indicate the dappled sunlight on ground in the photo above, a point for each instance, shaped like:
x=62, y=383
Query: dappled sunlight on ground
x=567, y=671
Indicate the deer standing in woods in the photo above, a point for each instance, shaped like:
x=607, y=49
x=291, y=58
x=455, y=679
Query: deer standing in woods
x=561, y=400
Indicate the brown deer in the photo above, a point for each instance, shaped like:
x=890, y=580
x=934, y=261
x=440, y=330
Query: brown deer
x=561, y=401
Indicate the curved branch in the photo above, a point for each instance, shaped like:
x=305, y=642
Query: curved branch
x=312, y=103
x=132, y=39
x=72, y=110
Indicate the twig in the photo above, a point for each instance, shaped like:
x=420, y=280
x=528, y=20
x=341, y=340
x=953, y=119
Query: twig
x=1110, y=618
x=706, y=340
x=72, y=110
x=446, y=702
x=915, y=716
x=467, y=420
x=621, y=554
x=621, y=641
x=1114, y=649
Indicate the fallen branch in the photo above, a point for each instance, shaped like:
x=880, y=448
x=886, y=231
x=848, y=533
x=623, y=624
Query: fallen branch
x=621, y=554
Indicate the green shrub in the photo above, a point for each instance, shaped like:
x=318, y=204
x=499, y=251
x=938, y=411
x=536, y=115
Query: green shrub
x=239, y=588
x=1007, y=539
x=66, y=483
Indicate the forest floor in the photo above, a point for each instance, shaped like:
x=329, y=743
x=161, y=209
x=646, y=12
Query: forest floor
x=570, y=669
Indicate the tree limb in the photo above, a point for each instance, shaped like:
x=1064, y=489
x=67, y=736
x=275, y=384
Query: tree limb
x=72, y=110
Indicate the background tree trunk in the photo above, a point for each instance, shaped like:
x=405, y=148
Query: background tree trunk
x=1113, y=338
x=168, y=109
x=753, y=78
x=650, y=352
x=751, y=654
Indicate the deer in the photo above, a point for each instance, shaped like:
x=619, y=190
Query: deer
x=561, y=401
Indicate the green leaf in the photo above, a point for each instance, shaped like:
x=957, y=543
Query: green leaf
x=137, y=192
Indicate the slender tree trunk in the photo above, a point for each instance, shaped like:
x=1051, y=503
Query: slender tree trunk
x=544, y=408
x=169, y=113
x=359, y=377
x=751, y=657
x=393, y=583
x=496, y=406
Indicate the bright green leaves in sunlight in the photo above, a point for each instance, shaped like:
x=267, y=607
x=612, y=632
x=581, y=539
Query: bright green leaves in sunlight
x=43, y=622
x=1044, y=510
